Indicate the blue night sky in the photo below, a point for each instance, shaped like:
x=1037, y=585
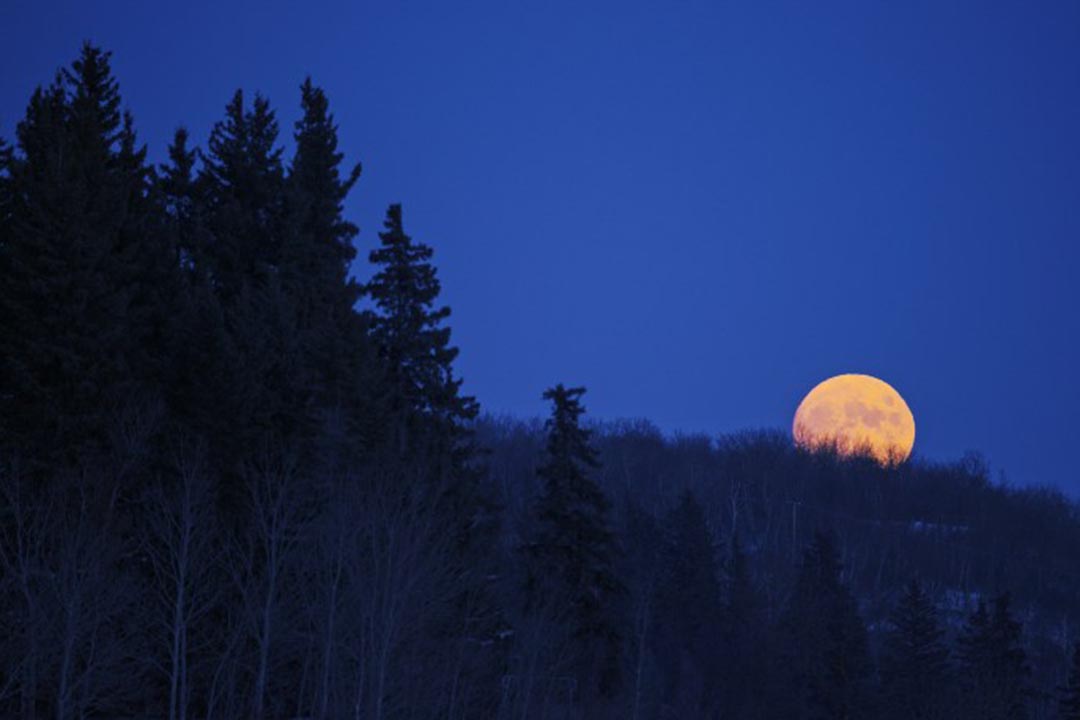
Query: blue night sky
x=696, y=209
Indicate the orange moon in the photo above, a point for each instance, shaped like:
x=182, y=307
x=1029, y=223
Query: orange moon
x=856, y=414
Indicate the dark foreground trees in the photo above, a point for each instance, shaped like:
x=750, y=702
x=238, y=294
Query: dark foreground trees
x=916, y=677
x=994, y=672
x=823, y=641
x=572, y=594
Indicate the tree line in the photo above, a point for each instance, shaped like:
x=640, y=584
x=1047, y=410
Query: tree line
x=235, y=482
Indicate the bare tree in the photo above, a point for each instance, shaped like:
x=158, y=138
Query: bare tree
x=24, y=542
x=177, y=533
x=259, y=557
x=400, y=586
x=330, y=538
x=92, y=598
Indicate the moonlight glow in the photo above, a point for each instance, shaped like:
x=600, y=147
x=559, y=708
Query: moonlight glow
x=856, y=413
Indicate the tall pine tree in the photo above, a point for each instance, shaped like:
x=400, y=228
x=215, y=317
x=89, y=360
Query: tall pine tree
x=688, y=612
x=81, y=269
x=424, y=397
x=745, y=638
x=915, y=671
x=244, y=181
x=994, y=672
x=318, y=249
x=826, y=654
x=570, y=560
x=316, y=254
x=425, y=451
x=183, y=207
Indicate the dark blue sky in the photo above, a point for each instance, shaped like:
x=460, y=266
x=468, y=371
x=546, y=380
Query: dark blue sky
x=697, y=209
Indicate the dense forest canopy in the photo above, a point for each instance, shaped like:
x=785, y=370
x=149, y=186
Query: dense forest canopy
x=235, y=482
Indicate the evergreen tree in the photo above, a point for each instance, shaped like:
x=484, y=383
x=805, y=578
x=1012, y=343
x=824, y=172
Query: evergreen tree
x=570, y=560
x=688, y=609
x=183, y=208
x=993, y=665
x=244, y=185
x=1070, y=700
x=424, y=396
x=915, y=663
x=826, y=656
x=745, y=638
x=421, y=403
x=82, y=271
x=425, y=449
x=316, y=256
x=319, y=248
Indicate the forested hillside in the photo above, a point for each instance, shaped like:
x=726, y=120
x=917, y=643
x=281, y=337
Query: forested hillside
x=235, y=482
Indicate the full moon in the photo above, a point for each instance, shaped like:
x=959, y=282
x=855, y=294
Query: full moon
x=856, y=414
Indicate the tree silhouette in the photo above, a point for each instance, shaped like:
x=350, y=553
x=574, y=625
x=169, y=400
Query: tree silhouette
x=570, y=560
x=914, y=665
x=828, y=662
x=408, y=329
x=243, y=179
x=688, y=609
x=993, y=664
x=79, y=267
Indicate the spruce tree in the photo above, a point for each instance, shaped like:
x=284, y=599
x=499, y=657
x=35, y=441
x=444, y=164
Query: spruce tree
x=316, y=255
x=570, y=559
x=826, y=654
x=688, y=610
x=915, y=662
x=993, y=665
x=82, y=268
x=1069, y=708
x=183, y=208
x=425, y=448
x=319, y=246
x=424, y=397
x=745, y=637
x=426, y=418
x=244, y=181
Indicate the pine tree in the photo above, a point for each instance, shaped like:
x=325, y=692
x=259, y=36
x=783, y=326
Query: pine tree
x=426, y=415
x=316, y=255
x=826, y=656
x=244, y=184
x=243, y=187
x=688, y=609
x=424, y=397
x=993, y=665
x=1070, y=700
x=570, y=560
x=915, y=664
x=183, y=209
x=318, y=249
x=745, y=637
x=83, y=268
x=425, y=447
